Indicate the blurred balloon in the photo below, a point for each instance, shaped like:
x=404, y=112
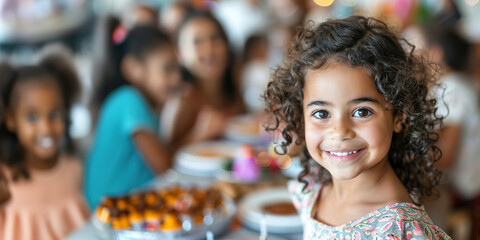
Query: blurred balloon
x=323, y=3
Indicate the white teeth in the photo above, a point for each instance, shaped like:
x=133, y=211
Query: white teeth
x=341, y=154
x=45, y=142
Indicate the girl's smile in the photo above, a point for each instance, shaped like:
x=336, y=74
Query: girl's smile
x=38, y=119
x=344, y=156
x=46, y=142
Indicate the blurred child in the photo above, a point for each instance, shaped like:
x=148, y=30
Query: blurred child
x=126, y=152
x=255, y=71
x=361, y=105
x=213, y=98
x=459, y=138
x=45, y=181
x=461, y=109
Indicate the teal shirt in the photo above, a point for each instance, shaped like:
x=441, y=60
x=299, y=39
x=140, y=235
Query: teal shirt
x=114, y=166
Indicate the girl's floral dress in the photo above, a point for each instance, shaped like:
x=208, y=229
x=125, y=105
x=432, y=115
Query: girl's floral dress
x=395, y=221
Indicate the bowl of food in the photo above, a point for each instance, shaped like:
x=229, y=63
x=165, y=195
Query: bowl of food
x=204, y=159
x=174, y=212
x=274, y=207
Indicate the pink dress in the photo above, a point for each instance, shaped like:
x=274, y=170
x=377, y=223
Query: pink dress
x=395, y=221
x=47, y=206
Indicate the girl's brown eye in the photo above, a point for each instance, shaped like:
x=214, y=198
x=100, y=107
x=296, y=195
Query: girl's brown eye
x=362, y=113
x=321, y=114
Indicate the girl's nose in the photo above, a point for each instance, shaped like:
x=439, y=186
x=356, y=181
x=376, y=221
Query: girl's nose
x=341, y=129
x=45, y=127
x=208, y=47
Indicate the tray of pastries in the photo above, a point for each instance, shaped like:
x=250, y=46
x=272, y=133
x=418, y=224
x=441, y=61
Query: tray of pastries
x=173, y=212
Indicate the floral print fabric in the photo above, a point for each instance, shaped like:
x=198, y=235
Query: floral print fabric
x=395, y=221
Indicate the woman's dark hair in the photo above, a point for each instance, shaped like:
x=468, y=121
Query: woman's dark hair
x=138, y=42
x=251, y=45
x=402, y=77
x=456, y=49
x=230, y=92
x=52, y=67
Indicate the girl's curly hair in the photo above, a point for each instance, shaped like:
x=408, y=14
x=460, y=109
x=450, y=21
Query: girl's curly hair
x=402, y=77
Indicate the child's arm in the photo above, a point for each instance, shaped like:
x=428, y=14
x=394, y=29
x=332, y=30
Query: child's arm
x=179, y=117
x=193, y=122
x=448, y=142
x=4, y=191
x=156, y=155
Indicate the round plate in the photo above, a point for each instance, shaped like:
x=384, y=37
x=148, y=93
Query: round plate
x=251, y=212
x=204, y=159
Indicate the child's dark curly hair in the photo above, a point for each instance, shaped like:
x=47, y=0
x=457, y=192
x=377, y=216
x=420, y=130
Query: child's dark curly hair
x=403, y=78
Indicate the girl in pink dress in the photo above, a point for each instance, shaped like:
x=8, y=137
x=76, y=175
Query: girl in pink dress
x=44, y=182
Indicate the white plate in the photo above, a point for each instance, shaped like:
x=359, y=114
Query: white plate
x=251, y=212
x=189, y=160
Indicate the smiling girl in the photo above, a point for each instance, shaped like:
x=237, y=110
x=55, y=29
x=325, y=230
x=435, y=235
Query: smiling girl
x=44, y=180
x=360, y=104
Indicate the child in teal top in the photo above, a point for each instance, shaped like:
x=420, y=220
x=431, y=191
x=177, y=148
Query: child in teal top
x=360, y=103
x=126, y=152
x=114, y=165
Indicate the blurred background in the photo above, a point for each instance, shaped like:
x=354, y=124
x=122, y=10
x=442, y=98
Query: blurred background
x=28, y=25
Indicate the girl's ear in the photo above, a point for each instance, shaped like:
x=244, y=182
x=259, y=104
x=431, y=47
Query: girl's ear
x=132, y=69
x=9, y=122
x=397, y=123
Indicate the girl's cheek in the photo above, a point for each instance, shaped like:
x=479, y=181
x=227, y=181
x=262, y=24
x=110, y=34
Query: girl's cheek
x=376, y=139
x=313, y=136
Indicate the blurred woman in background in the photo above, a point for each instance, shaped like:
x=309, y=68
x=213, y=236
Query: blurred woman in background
x=210, y=97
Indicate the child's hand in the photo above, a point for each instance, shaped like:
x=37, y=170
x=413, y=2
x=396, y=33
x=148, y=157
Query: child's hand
x=210, y=124
x=4, y=191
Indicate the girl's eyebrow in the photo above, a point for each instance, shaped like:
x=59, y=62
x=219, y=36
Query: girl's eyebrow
x=318, y=103
x=364, y=99
x=355, y=101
